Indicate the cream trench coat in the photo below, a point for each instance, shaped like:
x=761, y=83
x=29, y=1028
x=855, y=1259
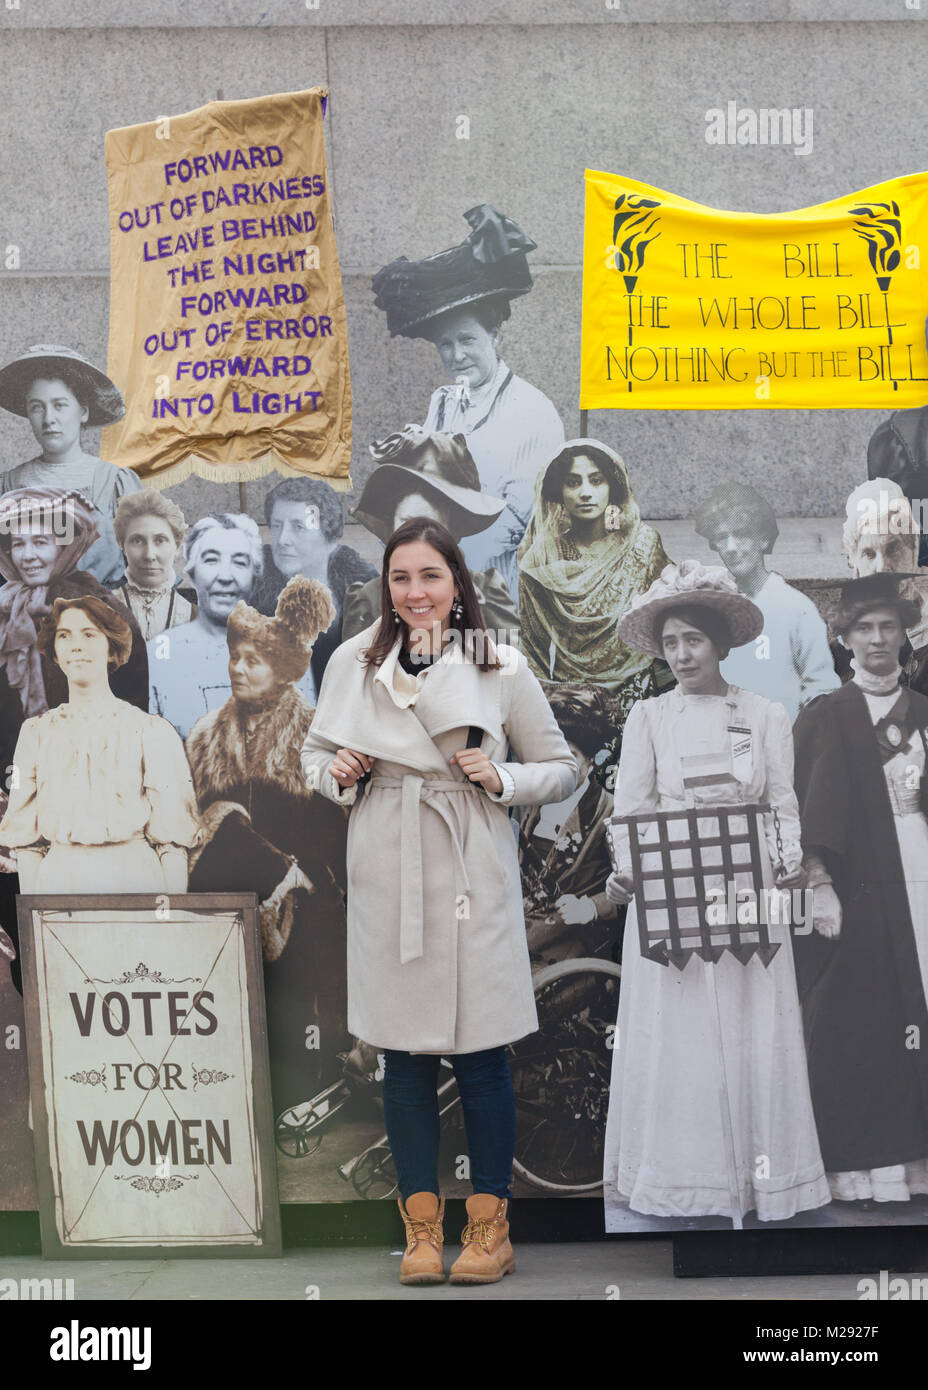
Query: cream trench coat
x=437, y=957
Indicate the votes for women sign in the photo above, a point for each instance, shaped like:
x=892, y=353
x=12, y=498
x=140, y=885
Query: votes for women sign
x=149, y=1075
x=227, y=319
x=687, y=307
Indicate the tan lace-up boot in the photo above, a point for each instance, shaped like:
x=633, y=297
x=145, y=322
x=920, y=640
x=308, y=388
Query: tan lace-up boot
x=487, y=1253
x=422, y=1216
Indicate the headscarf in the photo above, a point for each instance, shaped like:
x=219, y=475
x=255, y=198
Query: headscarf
x=578, y=602
x=22, y=606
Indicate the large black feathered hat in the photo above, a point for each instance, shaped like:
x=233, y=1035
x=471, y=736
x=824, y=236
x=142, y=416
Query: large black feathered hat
x=489, y=264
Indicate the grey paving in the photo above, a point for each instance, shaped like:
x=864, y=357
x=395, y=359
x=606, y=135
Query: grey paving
x=627, y=1270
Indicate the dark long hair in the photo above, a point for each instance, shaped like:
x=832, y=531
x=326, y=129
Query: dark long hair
x=469, y=625
x=552, y=487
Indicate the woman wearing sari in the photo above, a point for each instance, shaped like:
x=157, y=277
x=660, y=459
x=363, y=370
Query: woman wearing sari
x=585, y=556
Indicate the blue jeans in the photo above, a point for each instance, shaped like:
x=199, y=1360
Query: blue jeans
x=410, y=1107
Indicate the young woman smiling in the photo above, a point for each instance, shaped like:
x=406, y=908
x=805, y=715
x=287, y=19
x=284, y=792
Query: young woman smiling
x=418, y=713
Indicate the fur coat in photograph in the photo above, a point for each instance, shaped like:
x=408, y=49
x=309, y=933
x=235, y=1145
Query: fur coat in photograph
x=265, y=832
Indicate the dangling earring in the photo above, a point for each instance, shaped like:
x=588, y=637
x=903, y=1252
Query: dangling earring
x=396, y=616
x=457, y=608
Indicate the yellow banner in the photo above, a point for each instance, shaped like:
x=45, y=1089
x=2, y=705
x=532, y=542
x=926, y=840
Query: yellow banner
x=687, y=307
x=227, y=320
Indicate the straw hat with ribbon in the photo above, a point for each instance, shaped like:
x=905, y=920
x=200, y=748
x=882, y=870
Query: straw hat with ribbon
x=689, y=585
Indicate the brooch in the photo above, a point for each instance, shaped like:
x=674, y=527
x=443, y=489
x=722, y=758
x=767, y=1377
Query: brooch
x=894, y=735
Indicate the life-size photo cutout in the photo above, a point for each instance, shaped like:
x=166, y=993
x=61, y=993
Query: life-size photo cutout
x=306, y=521
x=790, y=661
x=150, y=530
x=148, y=1074
x=459, y=300
x=585, y=556
x=863, y=972
x=188, y=665
x=102, y=791
x=882, y=534
x=710, y=1114
x=432, y=475
x=264, y=830
x=60, y=392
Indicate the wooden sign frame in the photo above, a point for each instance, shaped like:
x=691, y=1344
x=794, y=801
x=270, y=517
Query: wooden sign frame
x=246, y=1216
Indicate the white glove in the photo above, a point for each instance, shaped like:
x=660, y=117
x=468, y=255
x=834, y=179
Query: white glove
x=575, y=911
x=826, y=911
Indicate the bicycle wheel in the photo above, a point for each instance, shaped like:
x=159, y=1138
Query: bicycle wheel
x=374, y=1175
x=561, y=1074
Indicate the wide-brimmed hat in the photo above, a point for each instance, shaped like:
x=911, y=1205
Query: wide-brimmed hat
x=489, y=264
x=437, y=465
x=304, y=609
x=689, y=585
x=859, y=596
x=103, y=399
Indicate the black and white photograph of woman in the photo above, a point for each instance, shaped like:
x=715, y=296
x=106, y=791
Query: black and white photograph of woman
x=863, y=971
x=266, y=831
x=150, y=531
x=881, y=536
x=434, y=476
x=714, y=1030
x=459, y=299
x=59, y=392
x=585, y=556
x=791, y=660
x=413, y=731
x=306, y=521
x=102, y=791
x=45, y=532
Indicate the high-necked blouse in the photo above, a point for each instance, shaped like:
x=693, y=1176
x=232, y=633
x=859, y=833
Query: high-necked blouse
x=99, y=776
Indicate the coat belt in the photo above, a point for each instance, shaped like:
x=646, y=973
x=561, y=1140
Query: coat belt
x=414, y=789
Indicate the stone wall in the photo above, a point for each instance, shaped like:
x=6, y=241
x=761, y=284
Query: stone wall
x=548, y=88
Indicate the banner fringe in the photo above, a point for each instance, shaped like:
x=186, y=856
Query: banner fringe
x=194, y=466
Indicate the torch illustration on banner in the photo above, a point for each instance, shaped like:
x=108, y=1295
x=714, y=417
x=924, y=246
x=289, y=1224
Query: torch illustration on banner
x=881, y=229
x=633, y=218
